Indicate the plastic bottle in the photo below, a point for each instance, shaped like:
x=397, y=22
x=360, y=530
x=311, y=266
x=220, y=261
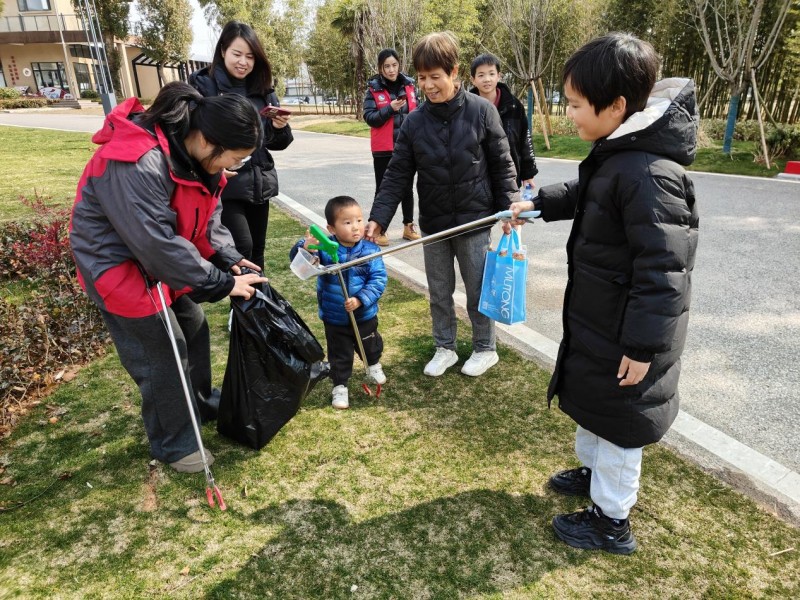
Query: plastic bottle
x=527, y=193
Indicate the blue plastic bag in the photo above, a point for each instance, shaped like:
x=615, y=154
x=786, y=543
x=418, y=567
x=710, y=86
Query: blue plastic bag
x=505, y=275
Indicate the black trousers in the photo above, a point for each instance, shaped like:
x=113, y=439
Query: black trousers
x=342, y=346
x=145, y=351
x=407, y=204
x=247, y=223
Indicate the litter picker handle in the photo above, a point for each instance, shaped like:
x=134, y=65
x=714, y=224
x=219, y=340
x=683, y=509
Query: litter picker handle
x=325, y=244
x=528, y=214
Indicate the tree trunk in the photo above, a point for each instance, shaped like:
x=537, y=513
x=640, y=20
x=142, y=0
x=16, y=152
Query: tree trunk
x=733, y=110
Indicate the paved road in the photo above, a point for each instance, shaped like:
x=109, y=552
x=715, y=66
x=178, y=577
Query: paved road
x=742, y=362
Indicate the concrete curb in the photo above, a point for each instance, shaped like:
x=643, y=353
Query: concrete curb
x=769, y=476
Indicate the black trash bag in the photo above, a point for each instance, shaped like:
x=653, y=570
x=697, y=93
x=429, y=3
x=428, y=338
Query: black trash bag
x=273, y=363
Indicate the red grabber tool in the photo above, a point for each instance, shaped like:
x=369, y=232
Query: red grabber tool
x=212, y=490
x=331, y=248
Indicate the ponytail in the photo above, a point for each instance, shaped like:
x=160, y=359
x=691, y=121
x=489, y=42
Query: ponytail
x=229, y=122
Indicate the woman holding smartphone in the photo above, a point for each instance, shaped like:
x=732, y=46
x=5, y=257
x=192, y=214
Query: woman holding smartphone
x=240, y=66
x=391, y=95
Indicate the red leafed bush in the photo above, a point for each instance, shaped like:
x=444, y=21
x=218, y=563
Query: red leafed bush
x=47, y=324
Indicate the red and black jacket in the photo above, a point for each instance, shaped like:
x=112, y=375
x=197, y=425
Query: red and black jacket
x=383, y=120
x=139, y=211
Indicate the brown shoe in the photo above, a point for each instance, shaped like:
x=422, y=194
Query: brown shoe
x=410, y=232
x=381, y=239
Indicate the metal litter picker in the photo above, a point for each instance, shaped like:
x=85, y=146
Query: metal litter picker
x=212, y=490
x=304, y=267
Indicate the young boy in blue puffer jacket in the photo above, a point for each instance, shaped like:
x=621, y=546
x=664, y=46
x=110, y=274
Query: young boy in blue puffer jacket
x=365, y=284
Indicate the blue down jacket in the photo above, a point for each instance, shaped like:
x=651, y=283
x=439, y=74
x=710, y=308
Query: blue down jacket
x=365, y=282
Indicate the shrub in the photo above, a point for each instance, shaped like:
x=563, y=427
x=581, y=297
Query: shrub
x=784, y=142
x=47, y=323
x=23, y=103
x=8, y=93
x=90, y=95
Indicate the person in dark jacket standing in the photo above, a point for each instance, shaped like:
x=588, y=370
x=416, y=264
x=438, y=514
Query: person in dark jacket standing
x=240, y=67
x=390, y=96
x=365, y=285
x=147, y=208
x=456, y=145
x=485, y=72
x=630, y=259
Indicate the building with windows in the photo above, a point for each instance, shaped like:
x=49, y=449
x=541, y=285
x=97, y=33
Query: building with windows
x=45, y=48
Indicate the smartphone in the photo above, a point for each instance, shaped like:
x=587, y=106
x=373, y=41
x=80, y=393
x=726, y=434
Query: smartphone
x=274, y=111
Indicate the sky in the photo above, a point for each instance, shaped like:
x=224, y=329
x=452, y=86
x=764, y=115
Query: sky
x=204, y=38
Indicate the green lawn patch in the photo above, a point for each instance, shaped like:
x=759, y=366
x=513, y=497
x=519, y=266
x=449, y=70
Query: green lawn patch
x=341, y=127
x=436, y=490
x=40, y=161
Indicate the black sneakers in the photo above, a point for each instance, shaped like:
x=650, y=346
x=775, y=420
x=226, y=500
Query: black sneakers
x=590, y=529
x=573, y=482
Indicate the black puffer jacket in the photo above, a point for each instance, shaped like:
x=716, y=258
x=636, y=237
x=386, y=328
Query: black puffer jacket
x=515, y=124
x=257, y=180
x=631, y=254
x=459, y=151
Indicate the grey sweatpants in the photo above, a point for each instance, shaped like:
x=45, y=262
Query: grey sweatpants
x=615, y=472
x=146, y=353
x=470, y=251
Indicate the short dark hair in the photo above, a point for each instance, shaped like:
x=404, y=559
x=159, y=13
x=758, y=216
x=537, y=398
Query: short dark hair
x=439, y=49
x=229, y=122
x=260, y=78
x=614, y=65
x=484, y=59
x=336, y=204
x=384, y=55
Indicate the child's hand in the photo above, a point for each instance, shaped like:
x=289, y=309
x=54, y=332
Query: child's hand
x=310, y=240
x=352, y=304
x=632, y=371
x=522, y=206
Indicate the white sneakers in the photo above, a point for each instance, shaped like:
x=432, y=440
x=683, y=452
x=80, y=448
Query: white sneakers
x=441, y=361
x=476, y=365
x=479, y=363
x=341, y=398
x=375, y=374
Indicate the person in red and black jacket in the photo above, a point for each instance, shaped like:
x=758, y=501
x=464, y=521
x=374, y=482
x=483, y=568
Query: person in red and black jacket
x=147, y=209
x=390, y=96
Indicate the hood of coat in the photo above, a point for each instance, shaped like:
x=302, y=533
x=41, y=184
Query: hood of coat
x=219, y=83
x=122, y=139
x=506, y=96
x=667, y=126
x=377, y=82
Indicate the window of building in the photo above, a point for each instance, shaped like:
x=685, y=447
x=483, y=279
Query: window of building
x=80, y=51
x=82, y=76
x=50, y=74
x=29, y=5
x=2, y=77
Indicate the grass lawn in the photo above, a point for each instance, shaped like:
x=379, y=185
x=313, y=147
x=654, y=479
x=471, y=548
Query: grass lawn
x=38, y=161
x=436, y=490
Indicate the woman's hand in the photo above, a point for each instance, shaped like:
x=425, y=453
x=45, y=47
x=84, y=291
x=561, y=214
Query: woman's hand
x=372, y=230
x=525, y=181
x=280, y=121
x=518, y=207
x=244, y=263
x=243, y=285
x=397, y=104
x=229, y=174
